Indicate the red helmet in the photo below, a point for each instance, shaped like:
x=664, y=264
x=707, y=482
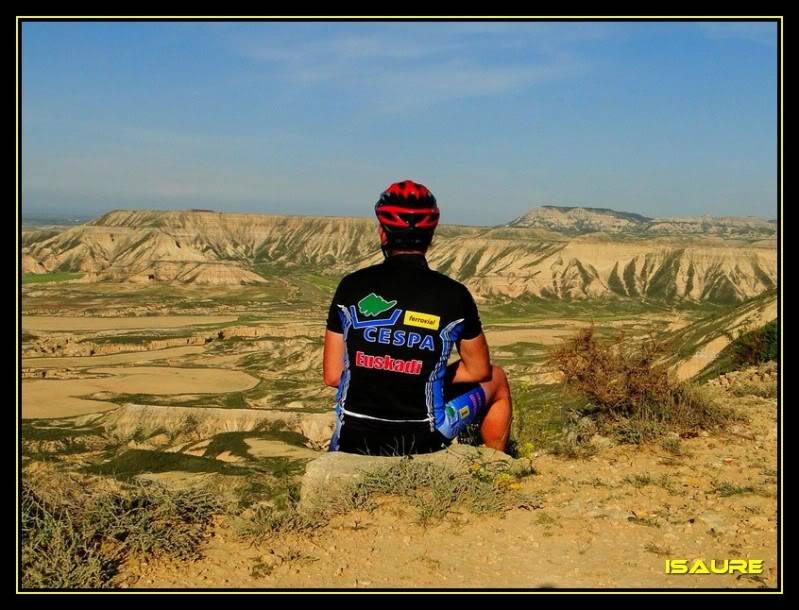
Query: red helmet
x=408, y=214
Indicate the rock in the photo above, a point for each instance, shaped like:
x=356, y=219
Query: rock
x=331, y=473
x=713, y=521
x=318, y=428
x=159, y=440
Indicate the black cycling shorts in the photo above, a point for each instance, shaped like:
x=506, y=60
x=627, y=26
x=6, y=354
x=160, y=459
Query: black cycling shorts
x=379, y=437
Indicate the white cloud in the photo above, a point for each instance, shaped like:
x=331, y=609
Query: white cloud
x=296, y=49
x=402, y=67
x=462, y=79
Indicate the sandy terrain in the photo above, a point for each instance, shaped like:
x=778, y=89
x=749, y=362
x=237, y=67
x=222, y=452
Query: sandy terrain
x=259, y=448
x=67, y=323
x=59, y=398
x=596, y=527
x=42, y=398
x=174, y=380
x=701, y=358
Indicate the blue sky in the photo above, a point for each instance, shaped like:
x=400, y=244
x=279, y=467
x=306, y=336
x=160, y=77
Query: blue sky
x=662, y=119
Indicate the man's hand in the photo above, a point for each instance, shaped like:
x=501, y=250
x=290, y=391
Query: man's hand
x=333, y=358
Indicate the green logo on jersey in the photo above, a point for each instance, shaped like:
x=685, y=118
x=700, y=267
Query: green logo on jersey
x=373, y=304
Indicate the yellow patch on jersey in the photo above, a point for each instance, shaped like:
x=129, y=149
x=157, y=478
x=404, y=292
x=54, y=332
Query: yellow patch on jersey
x=422, y=320
x=464, y=411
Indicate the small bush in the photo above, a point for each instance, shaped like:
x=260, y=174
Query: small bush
x=763, y=389
x=76, y=534
x=435, y=490
x=280, y=515
x=631, y=390
x=615, y=380
x=268, y=520
x=573, y=449
x=664, y=551
x=638, y=480
x=673, y=445
x=647, y=521
x=726, y=489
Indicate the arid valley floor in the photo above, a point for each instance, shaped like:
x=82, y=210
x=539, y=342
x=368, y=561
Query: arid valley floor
x=186, y=352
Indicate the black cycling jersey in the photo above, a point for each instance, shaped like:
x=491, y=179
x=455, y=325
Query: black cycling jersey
x=400, y=321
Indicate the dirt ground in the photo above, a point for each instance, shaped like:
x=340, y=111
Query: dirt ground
x=608, y=521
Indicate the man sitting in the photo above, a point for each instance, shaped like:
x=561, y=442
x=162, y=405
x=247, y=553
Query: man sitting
x=390, y=331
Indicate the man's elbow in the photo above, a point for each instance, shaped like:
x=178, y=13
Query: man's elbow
x=331, y=380
x=480, y=373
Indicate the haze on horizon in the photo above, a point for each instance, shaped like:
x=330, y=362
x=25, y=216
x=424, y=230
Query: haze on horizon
x=661, y=119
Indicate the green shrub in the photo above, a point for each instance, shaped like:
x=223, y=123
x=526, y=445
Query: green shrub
x=755, y=346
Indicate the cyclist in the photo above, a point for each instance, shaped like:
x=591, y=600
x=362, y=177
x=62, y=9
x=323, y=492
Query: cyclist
x=390, y=331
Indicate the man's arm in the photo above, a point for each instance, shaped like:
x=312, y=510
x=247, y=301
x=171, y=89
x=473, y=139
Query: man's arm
x=333, y=358
x=475, y=364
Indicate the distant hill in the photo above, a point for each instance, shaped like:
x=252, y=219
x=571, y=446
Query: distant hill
x=582, y=220
x=567, y=258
